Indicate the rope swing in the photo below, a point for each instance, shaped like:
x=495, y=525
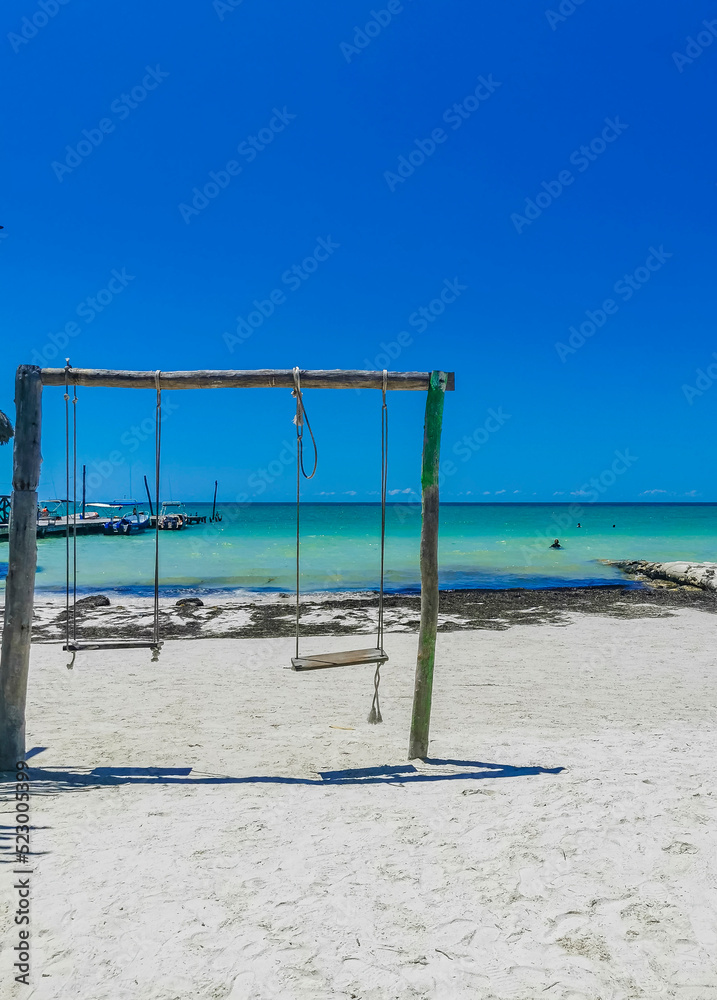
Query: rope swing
x=72, y=644
x=374, y=716
x=157, y=453
x=71, y=664
x=351, y=657
x=299, y=419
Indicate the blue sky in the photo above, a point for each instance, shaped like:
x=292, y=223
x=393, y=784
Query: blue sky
x=263, y=184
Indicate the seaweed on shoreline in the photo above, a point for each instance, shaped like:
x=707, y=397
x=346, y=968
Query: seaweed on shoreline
x=339, y=614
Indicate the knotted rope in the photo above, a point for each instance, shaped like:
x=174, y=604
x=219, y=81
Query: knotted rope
x=157, y=452
x=68, y=366
x=299, y=419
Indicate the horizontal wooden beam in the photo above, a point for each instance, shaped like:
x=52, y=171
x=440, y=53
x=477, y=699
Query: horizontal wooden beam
x=281, y=378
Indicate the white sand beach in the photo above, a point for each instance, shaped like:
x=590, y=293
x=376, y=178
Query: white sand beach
x=191, y=841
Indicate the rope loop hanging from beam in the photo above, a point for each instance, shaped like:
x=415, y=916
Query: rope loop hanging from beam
x=301, y=418
x=71, y=642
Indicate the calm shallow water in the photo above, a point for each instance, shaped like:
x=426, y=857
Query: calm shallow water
x=481, y=545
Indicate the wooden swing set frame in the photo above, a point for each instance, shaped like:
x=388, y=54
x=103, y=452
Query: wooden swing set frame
x=27, y=458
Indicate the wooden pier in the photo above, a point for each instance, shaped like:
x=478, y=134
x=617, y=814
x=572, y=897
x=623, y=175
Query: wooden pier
x=51, y=527
x=56, y=527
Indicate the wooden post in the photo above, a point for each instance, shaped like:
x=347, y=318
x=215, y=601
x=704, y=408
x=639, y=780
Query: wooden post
x=19, y=591
x=423, y=689
x=149, y=497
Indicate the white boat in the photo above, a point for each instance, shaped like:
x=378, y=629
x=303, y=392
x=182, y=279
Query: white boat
x=172, y=516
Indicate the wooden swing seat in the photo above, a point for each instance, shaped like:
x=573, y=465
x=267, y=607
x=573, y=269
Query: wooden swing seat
x=76, y=647
x=346, y=658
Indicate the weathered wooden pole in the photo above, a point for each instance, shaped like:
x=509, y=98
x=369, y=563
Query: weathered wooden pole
x=214, y=503
x=423, y=689
x=265, y=378
x=20, y=585
x=149, y=497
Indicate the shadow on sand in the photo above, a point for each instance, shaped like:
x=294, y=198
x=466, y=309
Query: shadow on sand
x=49, y=780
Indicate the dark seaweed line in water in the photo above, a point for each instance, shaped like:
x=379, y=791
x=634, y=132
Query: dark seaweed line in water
x=460, y=610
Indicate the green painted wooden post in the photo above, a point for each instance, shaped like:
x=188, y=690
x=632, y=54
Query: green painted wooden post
x=423, y=689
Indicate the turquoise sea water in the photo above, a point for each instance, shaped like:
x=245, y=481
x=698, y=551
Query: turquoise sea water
x=481, y=545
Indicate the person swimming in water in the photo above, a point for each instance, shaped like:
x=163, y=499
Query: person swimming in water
x=580, y=525
x=556, y=544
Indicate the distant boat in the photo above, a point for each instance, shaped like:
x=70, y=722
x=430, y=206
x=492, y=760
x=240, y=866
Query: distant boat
x=102, y=507
x=136, y=522
x=172, y=516
x=51, y=513
x=125, y=524
x=46, y=514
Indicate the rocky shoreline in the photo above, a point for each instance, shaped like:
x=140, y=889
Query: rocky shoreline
x=676, y=574
x=347, y=614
